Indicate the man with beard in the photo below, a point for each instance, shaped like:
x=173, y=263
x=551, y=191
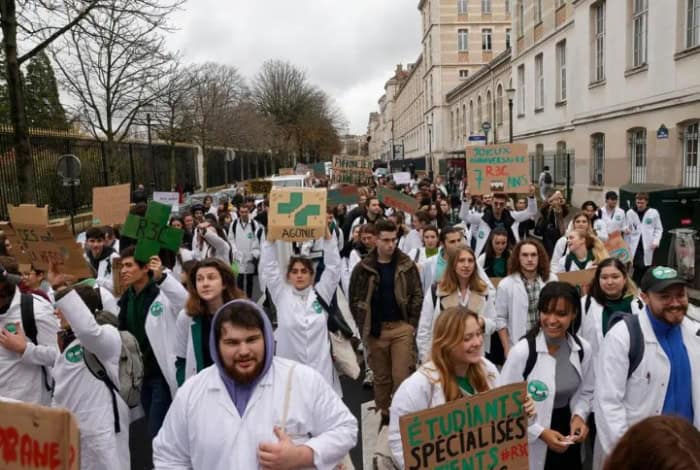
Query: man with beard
x=100, y=257
x=649, y=365
x=251, y=409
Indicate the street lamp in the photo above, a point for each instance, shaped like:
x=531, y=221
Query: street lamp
x=510, y=92
x=429, y=161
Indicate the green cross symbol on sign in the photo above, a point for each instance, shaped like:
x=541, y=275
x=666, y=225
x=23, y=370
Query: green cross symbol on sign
x=301, y=217
x=152, y=232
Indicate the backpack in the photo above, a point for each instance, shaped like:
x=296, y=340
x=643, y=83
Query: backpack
x=532, y=354
x=130, y=367
x=636, y=351
x=548, y=178
x=31, y=331
x=416, y=257
x=256, y=230
x=336, y=323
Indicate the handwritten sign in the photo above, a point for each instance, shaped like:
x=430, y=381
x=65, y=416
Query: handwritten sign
x=38, y=437
x=168, y=198
x=110, y=204
x=297, y=214
x=580, y=279
x=41, y=246
x=258, y=187
x=152, y=232
x=397, y=200
x=488, y=430
x=402, y=177
x=617, y=247
x=498, y=168
x=352, y=170
x=345, y=194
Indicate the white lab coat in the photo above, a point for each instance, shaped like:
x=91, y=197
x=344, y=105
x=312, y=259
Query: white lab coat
x=411, y=241
x=245, y=239
x=592, y=321
x=88, y=398
x=615, y=221
x=621, y=402
x=204, y=431
x=649, y=230
x=561, y=266
x=482, y=228
x=545, y=372
x=104, y=271
x=561, y=249
x=347, y=266
x=213, y=246
x=599, y=227
x=511, y=305
x=302, y=332
x=483, y=305
x=428, y=272
x=21, y=377
x=420, y=391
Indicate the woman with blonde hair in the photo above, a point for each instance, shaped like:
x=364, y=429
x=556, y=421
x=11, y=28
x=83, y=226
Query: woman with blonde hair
x=585, y=251
x=580, y=221
x=464, y=284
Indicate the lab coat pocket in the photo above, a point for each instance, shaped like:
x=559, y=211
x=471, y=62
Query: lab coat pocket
x=637, y=388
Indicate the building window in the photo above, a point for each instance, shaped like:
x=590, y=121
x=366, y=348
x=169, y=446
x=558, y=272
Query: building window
x=485, y=7
x=486, y=35
x=464, y=73
x=499, y=105
x=598, y=72
x=538, y=11
x=638, y=155
x=691, y=169
x=521, y=17
x=639, y=32
x=431, y=91
x=462, y=7
x=560, y=162
x=472, y=126
x=561, y=71
x=539, y=82
x=452, y=126
x=464, y=119
x=507, y=38
x=693, y=23
x=489, y=108
x=597, y=159
x=463, y=40
x=508, y=7
x=479, y=113
x=521, y=90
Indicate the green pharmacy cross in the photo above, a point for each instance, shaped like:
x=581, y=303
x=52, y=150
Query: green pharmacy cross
x=152, y=231
x=301, y=217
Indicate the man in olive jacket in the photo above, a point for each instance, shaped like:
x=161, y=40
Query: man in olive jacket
x=386, y=299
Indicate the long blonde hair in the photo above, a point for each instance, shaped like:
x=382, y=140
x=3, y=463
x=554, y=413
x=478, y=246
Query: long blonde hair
x=447, y=334
x=450, y=280
x=594, y=244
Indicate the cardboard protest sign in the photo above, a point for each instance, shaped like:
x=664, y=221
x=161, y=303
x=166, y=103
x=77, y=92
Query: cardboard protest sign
x=152, y=232
x=258, y=187
x=29, y=214
x=352, y=170
x=488, y=430
x=110, y=204
x=38, y=437
x=117, y=287
x=580, y=279
x=397, y=200
x=171, y=199
x=297, y=214
x=402, y=177
x=498, y=168
x=345, y=194
x=286, y=171
x=617, y=247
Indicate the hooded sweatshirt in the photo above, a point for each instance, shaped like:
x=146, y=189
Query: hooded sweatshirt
x=240, y=393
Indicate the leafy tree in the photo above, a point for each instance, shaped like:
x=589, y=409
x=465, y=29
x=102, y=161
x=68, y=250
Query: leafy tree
x=43, y=106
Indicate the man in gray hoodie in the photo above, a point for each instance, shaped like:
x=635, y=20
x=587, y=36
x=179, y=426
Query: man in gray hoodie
x=251, y=409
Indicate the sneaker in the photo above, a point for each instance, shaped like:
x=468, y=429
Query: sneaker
x=368, y=382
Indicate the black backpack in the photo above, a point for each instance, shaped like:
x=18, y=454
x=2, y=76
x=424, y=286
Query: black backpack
x=532, y=354
x=336, y=323
x=31, y=332
x=547, y=178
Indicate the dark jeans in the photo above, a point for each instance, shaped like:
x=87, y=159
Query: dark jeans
x=571, y=459
x=245, y=282
x=156, y=399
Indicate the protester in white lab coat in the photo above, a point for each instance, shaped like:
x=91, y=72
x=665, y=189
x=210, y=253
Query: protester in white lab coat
x=560, y=381
x=246, y=234
x=461, y=285
x=104, y=438
x=211, y=283
x=661, y=376
x=600, y=228
x=613, y=216
x=302, y=333
x=414, y=239
x=21, y=363
x=210, y=241
x=585, y=252
x=581, y=221
x=100, y=257
x=644, y=237
x=430, y=247
x=433, y=269
x=517, y=295
x=455, y=369
x=251, y=409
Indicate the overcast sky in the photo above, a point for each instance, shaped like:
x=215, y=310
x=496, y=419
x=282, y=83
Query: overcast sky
x=348, y=48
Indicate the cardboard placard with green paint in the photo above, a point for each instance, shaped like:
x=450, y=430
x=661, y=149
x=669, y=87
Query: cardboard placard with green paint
x=397, y=200
x=152, y=231
x=498, y=168
x=297, y=214
x=617, y=247
x=488, y=430
x=343, y=194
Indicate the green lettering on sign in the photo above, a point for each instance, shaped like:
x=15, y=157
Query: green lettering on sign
x=152, y=231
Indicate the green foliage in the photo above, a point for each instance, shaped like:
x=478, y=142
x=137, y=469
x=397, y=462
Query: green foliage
x=43, y=105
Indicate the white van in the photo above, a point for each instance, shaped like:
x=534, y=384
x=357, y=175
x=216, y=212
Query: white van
x=290, y=181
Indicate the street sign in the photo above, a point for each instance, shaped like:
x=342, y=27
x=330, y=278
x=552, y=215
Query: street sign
x=662, y=133
x=68, y=167
x=477, y=138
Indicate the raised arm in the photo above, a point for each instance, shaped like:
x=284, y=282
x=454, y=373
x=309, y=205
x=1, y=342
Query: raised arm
x=271, y=269
x=328, y=283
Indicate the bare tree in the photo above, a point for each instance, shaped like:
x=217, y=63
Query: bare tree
x=216, y=91
x=40, y=23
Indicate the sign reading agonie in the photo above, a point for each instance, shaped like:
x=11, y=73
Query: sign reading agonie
x=488, y=430
x=498, y=168
x=297, y=214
